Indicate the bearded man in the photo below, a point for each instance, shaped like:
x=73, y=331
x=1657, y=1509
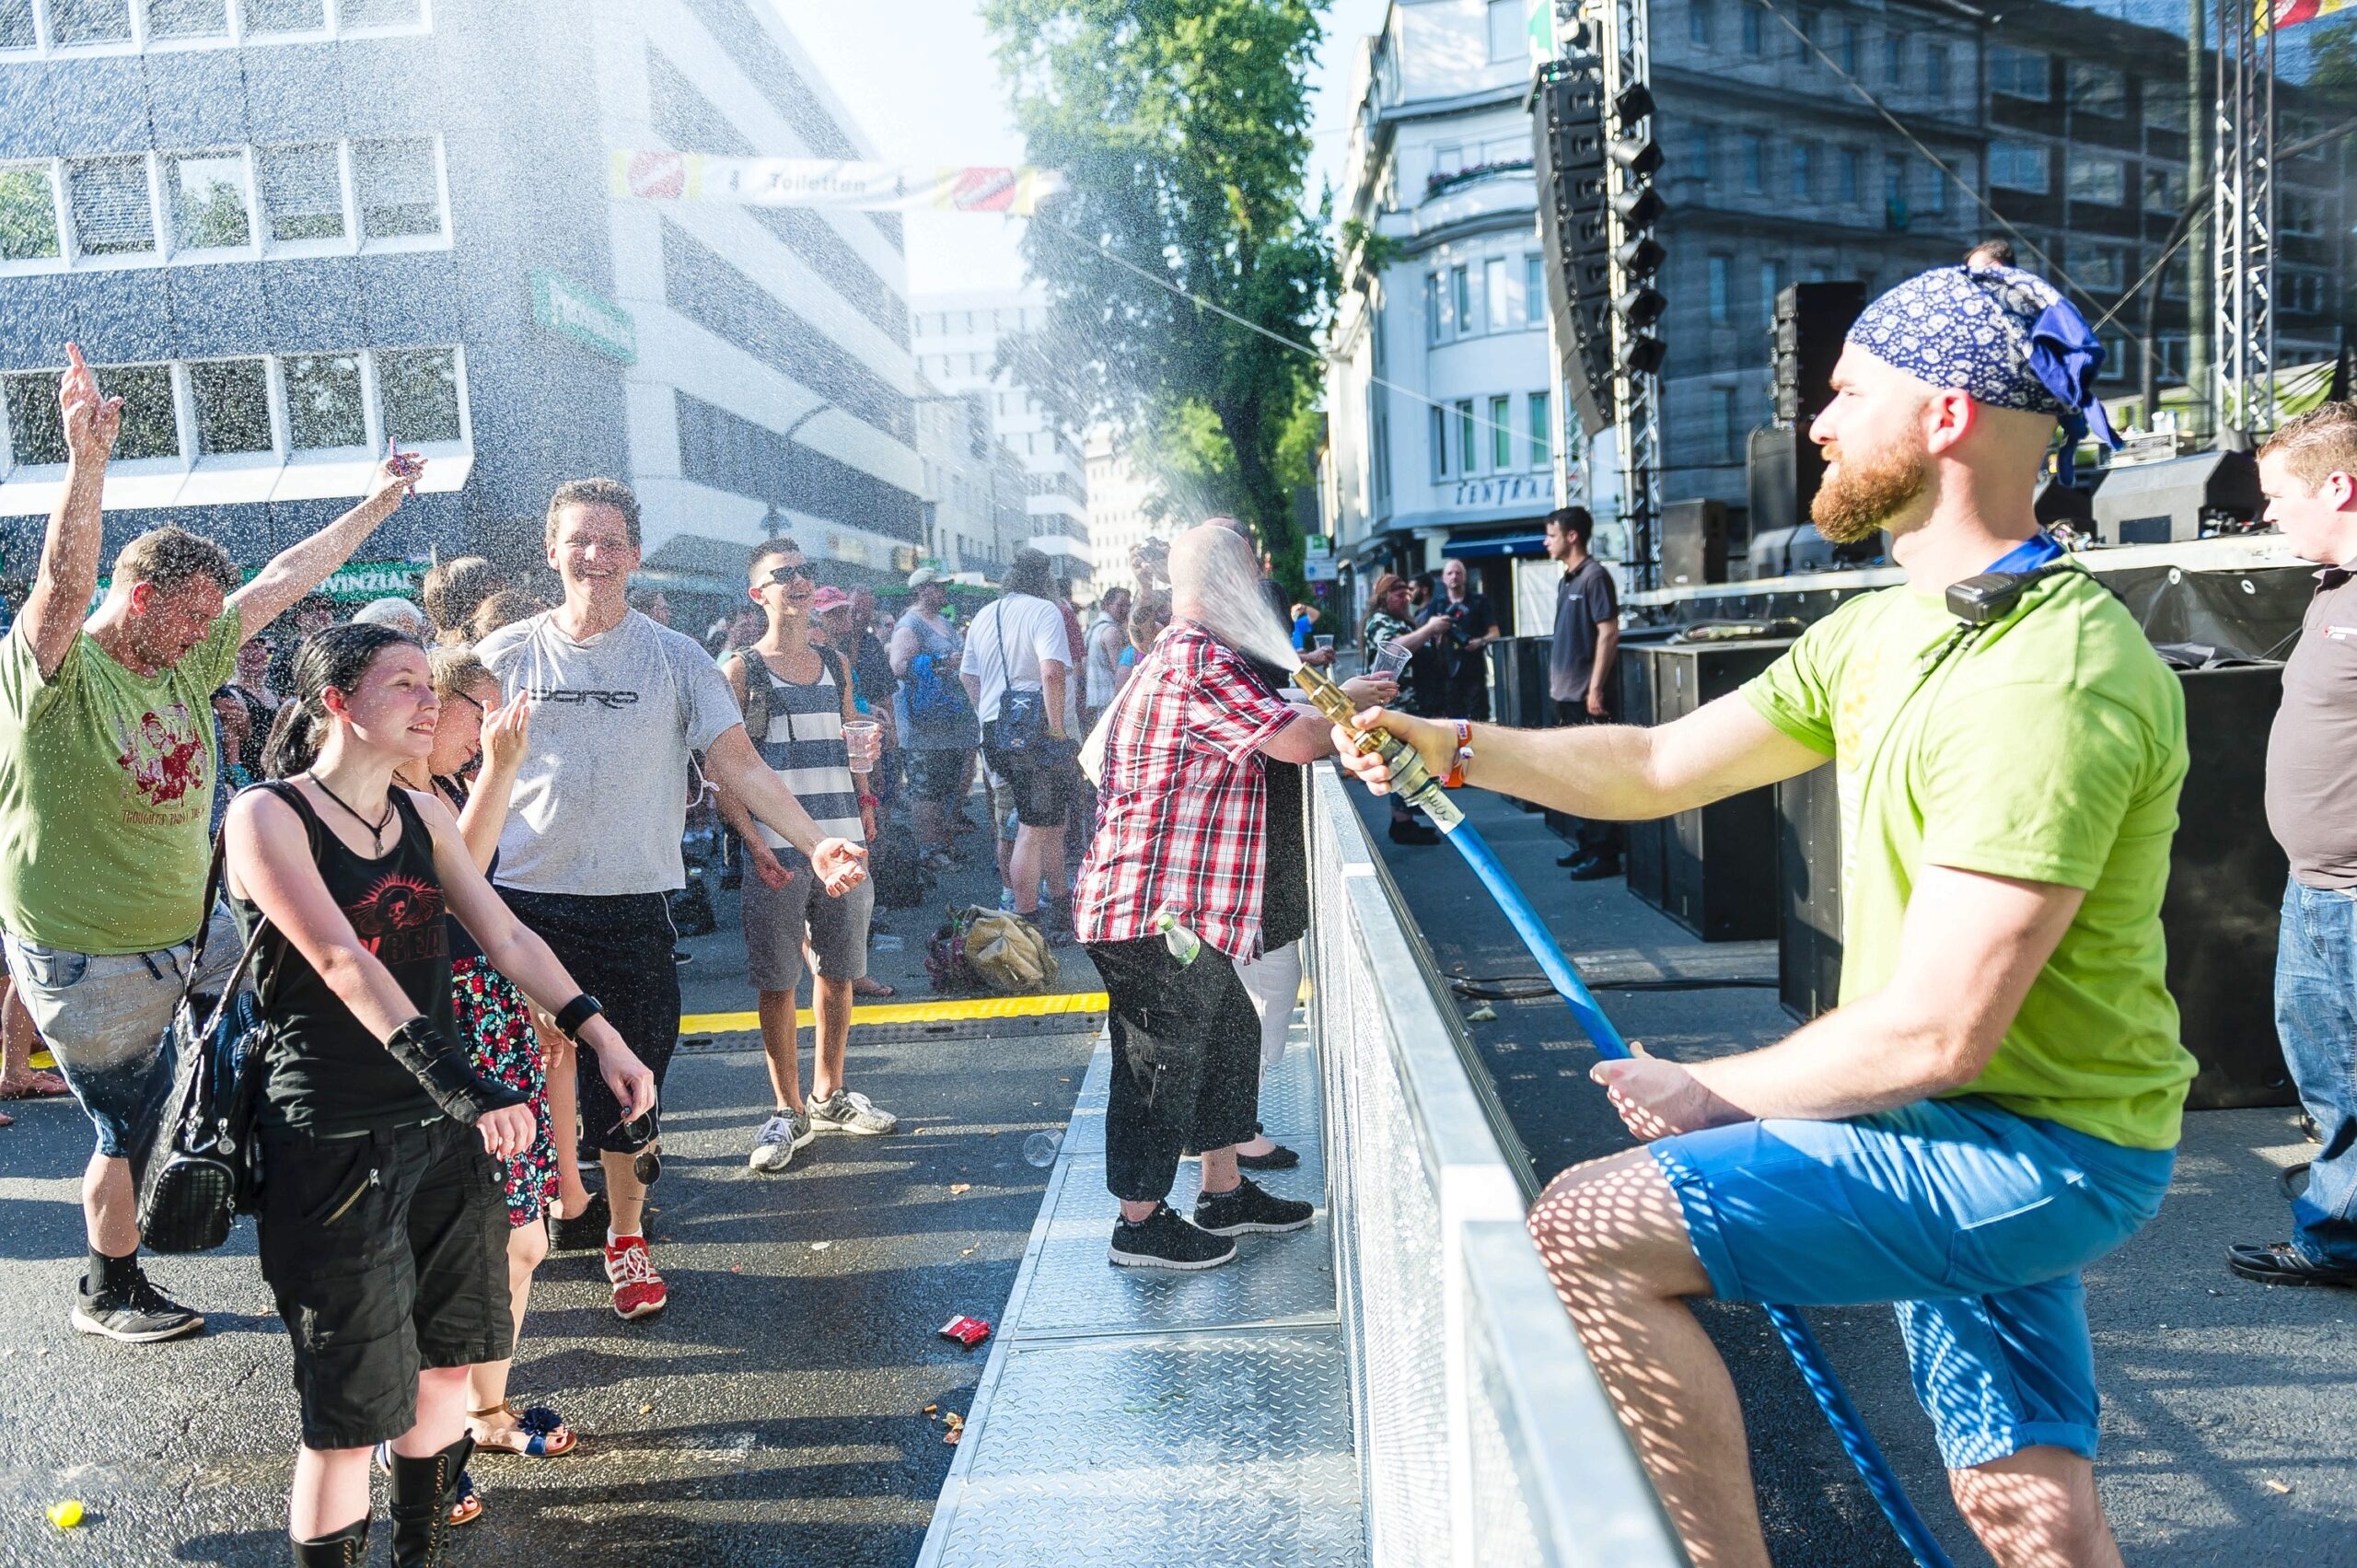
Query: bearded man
x=1995, y=1103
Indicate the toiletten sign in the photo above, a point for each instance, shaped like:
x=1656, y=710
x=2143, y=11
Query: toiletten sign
x=570, y=311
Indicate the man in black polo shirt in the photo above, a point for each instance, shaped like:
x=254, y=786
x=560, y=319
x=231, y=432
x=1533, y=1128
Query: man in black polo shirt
x=1579, y=666
x=2308, y=470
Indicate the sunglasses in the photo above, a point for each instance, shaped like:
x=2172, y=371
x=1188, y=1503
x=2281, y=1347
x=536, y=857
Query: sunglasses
x=470, y=702
x=793, y=574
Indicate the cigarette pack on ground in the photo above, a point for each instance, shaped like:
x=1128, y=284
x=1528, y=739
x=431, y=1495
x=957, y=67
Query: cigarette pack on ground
x=967, y=1331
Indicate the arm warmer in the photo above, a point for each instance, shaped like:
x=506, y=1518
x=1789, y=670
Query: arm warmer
x=436, y=1059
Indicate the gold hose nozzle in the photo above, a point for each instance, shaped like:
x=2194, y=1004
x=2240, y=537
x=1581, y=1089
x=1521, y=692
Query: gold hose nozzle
x=1410, y=780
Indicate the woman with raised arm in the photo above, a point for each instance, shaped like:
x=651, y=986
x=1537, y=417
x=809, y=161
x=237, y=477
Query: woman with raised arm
x=381, y=1217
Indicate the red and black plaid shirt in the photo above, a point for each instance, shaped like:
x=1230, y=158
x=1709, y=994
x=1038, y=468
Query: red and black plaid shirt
x=1182, y=808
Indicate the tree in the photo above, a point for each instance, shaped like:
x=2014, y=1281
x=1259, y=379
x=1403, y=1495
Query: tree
x=1182, y=128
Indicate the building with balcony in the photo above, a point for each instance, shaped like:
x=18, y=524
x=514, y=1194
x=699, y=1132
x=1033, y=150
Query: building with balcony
x=958, y=339
x=289, y=231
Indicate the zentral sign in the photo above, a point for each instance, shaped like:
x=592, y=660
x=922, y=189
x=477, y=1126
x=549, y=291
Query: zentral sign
x=1505, y=490
x=572, y=311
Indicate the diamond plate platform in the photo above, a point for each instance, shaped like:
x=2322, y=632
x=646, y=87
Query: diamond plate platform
x=1138, y=1417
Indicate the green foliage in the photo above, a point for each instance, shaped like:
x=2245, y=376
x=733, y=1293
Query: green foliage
x=1182, y=127
x=1368, y=251
x=28, y=217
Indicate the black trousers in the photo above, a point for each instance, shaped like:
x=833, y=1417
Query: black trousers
x=1592, y=838
x=1186, y=1062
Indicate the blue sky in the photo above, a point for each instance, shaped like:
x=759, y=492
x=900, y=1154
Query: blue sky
x=919, y=79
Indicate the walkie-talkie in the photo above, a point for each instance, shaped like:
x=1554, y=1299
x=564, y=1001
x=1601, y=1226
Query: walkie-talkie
x=1990, y=597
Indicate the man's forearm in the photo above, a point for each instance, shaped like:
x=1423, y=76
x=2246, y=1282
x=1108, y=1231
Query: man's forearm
x=1869, y=1056
x=303, y=567
x=1607, y=647
x=1602, y=771
x=1051, y=686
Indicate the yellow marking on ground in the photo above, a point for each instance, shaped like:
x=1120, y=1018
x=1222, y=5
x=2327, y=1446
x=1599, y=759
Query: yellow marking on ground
x=42, y=1060
x=890, y=1013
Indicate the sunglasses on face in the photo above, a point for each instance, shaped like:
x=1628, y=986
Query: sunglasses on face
x=784, y=575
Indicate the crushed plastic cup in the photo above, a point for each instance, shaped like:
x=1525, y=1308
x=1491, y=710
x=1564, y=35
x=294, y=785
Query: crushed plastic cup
x=1041, y=1148
x=865, y=740
x=1392, y=657
x=67, y=1514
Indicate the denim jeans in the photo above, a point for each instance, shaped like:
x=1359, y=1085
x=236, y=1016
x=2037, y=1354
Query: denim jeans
x=2316, y=1014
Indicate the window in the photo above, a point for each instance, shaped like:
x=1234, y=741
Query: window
x=1772, y=284
x=1723, y=421
x=324, y=408
x=1534, y=289
x=150, y=428
x=1494, y=289
x=1460, y=300
x=1804, y=171
x=232, y=401
x=2303, y=292
x=2020, y=72
x=2301, y=214
x=1447, y=162
x=2116, y=357
x=2098, y=89
x=1542, y=431
x=1755, y=28
x=1509, y=32
x=1468, y=443
x=88, y=21
x=1935, y=189
x=285, y=16
x=1722, y=287
x=1801, y=53
x=187, y=19
x=206, y=195
x=1853, y=175
x=399, y=194
x=1894, y=59
x=1893, y=179
x=302, y=192
x=1501, y=433
x=1706, y=149
x=28, y=214
x=16, y=30
x=417, y=394
x=1755, y=163
x=36, y=430
x=1848, y=52
x=2164, y=188
x=2100, y=180
x=1935, y=69
x=1435, y=328
x=1440, y=442
x=1698, y=23
x=2019, y=166
x=111, y=215
x=2098, y=266
x=2164, y=103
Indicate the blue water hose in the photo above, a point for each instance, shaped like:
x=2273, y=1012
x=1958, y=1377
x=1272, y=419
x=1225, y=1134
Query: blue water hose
x=1807, y=1355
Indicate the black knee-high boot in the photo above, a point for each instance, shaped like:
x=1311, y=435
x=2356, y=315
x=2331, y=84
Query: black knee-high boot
x=347, y=1547
x=423, y=1491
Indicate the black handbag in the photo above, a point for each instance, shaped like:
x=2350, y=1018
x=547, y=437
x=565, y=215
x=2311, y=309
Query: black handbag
x=199, y=1171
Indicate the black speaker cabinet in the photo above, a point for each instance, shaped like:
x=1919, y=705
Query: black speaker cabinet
x=1809, y=893
x=1644, y=857
x=2225, y=892
x=1718, y=875
x=1693, y=543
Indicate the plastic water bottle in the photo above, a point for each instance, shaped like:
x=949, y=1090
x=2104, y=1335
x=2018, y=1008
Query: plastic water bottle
x=1040, y=1148
x=1184, y=945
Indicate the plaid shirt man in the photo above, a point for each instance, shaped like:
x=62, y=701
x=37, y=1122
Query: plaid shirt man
x=1181, y=803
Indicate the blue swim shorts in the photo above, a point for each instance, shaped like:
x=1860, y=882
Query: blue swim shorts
x=1975, y=1222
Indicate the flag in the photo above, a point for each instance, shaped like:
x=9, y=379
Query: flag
x=2291, y=13
x=831, y=182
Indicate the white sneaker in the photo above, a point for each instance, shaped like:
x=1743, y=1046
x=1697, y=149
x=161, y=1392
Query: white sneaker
x=847, y=1110
x=780, y=1136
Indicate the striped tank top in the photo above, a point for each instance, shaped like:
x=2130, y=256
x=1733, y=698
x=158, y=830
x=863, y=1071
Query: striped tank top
x=804, y=747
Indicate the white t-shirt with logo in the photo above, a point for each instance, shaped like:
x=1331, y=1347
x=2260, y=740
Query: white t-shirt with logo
x=602, y=797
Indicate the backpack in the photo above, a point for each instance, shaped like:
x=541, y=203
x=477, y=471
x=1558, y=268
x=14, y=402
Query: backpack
x=896, y=868
x=932, y=699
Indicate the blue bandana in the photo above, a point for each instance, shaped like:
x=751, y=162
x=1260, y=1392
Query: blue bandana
x=2006, y=336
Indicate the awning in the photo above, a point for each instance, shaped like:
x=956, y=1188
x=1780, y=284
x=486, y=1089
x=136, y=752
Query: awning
x=1517, y=544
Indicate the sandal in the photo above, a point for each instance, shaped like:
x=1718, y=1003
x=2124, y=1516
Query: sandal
x=35, y=1085
x=543, y=1432
x=863, y=986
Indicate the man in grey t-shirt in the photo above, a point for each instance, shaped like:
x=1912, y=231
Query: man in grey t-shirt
x=591, y=848
x=1579, y=666
x=2308, y=471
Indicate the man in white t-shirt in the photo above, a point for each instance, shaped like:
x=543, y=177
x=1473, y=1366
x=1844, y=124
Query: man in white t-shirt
x=1017, y=669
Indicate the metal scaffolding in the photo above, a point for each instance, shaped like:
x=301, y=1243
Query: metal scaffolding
x=2243, y=221
x=1622, y=31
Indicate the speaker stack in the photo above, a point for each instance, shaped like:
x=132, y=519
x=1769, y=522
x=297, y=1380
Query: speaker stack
x=1574, y=231
x=1785, y=466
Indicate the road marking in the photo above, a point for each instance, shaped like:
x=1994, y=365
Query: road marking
x=916, y=1012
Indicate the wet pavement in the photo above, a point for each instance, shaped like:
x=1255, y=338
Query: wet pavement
x=2227, y=1432
x=772, y=1414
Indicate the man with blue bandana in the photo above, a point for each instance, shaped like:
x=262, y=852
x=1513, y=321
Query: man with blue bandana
x=1995, y=1103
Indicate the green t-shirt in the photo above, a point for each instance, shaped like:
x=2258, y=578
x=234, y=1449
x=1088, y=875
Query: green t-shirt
x=106, y=793
x=2051, y=749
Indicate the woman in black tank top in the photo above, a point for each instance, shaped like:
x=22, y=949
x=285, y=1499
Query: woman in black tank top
x=382, y=1222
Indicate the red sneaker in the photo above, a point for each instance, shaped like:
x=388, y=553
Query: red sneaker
x=638, y=1289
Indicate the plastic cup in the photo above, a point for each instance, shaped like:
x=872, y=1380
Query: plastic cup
x=865, y=740
x=1392, y=657
x=1041, y=1149
x=1323, y=644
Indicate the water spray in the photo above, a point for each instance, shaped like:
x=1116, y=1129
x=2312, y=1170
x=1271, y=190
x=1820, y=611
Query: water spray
x=1415, y=785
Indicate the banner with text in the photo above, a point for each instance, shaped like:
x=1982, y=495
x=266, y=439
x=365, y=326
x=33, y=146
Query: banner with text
x=826, y=183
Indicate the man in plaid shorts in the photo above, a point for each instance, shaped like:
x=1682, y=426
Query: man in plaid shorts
x=1182, y=813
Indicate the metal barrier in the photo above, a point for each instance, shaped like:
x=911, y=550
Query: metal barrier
x=1483, y=1434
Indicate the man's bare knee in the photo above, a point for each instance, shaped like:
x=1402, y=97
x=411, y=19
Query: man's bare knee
x=1614, y=1226
x=2037, y=1508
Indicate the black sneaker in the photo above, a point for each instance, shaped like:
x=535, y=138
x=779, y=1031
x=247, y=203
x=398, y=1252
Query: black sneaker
x=1163, y=1240
x=1249, y=1209
x=584, y=1232
x=1279, y=1158
x=2281, y=1263
x=137, y=1314
x=1597, y=868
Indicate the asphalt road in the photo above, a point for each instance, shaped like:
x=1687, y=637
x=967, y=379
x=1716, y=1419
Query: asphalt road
x=2228, y=1437
x=774, y=1415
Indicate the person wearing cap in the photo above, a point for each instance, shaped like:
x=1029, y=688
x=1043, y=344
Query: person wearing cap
x=1995, y=1104
x=933, y=716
